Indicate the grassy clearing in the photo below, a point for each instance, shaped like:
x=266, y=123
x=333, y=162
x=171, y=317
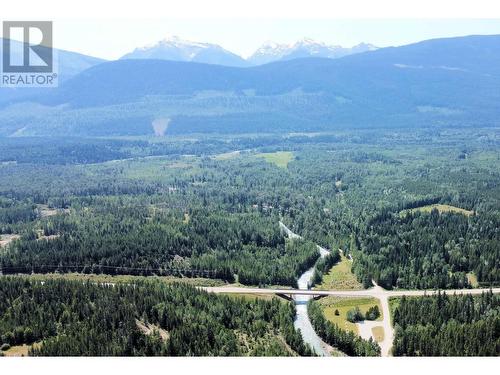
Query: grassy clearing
x=279, y=158
x=227, y=155
x=153, y=168
x=340, y=277
x=442, y=208
x=393, y=305
x=6, y=239
x=20, y=350
x=199, y=281
x=472, y=278
x=343, y=305
x=378, y=333
x=253, y=297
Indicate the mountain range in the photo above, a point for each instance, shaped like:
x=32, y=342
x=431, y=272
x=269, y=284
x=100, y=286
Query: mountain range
x=270, y=51
x=176, y=49
x=440, y=82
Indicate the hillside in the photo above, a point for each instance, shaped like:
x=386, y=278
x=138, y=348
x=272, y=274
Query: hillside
x=69, y=65
x=436, y=82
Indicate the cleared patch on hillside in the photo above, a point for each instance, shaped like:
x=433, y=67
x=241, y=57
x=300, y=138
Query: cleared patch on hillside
x=256, y=346
x=45, y=211
x=150, y=329
x=279, y=158
x=160, y=126
x=6, y=239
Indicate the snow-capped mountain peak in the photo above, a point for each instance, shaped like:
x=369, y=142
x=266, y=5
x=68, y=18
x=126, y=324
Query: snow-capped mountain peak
x=175, y=48
x=308, y=42
x=174, y=41
x=305, y=47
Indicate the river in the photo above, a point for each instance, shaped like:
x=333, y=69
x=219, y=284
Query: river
x=302, y=321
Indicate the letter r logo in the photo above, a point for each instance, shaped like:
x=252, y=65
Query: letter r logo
x=33, y=52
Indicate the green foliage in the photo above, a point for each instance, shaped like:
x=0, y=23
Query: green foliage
x=323, y=265
x=117, y=239
x=347, y=342
x=373, y=313
x=199, y=216
x=463, y=325
x=422, y=250
x=72, y=318
x=355, y=315
x=344, y=190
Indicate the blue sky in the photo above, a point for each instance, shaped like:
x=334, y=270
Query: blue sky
x=112, y=38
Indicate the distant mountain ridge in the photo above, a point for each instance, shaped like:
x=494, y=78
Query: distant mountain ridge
x=69, y=63
x=441, y=82
x=270, y=52
x=175, y=48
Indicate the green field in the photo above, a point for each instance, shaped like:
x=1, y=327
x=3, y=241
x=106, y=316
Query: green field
x=127, y=279
x=151, y=168
x=280, y=158
x=227, y=155
x=343, y=305
x=340, y=277
x=442, y=208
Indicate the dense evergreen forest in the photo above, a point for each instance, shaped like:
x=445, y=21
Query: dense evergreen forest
x=117, y=239
x=210, y=206
x=215, y=214
x=72, y=318
x=430, y=250
x=448, y=326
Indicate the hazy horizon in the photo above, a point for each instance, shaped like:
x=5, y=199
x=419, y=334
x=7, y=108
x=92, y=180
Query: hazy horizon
x=111, y=39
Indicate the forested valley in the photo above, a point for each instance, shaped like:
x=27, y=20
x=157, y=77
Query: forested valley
x=217, y=213
x=414, y=209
